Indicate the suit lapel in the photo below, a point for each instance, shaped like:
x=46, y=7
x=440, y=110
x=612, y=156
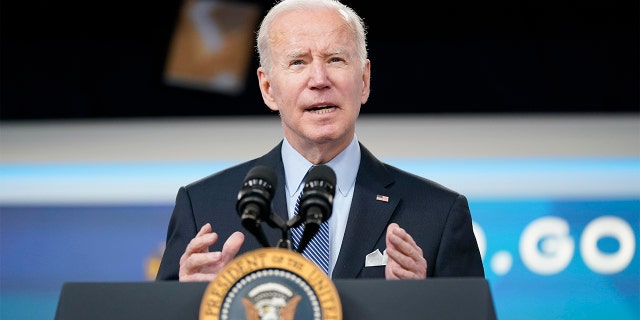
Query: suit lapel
x=368, y=216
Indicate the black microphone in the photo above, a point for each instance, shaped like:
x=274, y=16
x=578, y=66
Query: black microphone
x=316, y=203
x=254, y=200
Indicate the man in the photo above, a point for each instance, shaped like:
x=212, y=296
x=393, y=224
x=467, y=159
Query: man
x=315, y=73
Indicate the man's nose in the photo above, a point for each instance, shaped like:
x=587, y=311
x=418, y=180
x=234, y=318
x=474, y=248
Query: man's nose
x=319, y=76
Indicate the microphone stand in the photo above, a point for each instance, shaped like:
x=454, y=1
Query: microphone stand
x=285, y=242
x=275, y=221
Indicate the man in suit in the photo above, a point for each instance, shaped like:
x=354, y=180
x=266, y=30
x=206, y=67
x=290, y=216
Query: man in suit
x=315, y=73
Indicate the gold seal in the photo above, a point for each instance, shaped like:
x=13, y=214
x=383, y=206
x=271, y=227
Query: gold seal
x=271, y=283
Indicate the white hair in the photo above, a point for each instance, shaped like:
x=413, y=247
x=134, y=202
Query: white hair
x=354, y=21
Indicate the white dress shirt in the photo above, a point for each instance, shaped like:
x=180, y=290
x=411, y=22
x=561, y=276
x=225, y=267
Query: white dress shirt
x=345, y=165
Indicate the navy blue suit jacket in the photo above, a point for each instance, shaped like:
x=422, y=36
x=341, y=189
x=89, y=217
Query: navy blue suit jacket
x=436, y=217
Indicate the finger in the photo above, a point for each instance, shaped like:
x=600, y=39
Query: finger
x=215, y=263
x=390, y=230
x=393, y=266
x=402, y=240
x=395, y=271
x=403, y=267
x=232, y=246
x=197, y=265
x=389, y=273
x=406, y=258
x=403, y=260
x=204, y=265
x=401, y=273
x=205, y=229
x=200, y=243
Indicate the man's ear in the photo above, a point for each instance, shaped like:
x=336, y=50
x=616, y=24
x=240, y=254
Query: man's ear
x=366, y=81
x=266, y=90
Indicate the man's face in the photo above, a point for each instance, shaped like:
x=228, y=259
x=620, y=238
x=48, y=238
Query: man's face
x=317, y=82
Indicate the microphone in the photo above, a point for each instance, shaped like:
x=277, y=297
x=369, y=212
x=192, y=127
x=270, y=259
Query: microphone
x=316, y=203
x=254, y=200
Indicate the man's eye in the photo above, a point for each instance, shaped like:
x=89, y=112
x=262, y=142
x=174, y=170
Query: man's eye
x=296, y=62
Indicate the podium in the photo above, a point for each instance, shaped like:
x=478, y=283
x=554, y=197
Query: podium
x=372, y=299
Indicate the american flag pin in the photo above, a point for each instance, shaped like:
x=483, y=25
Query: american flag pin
x=382, y=198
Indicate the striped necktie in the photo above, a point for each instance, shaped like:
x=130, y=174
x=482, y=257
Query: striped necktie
x=318, y=248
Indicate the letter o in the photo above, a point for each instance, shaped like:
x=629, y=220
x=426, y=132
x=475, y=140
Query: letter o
x=603, y=262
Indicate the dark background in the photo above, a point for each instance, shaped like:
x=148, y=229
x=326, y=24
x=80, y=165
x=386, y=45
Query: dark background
x=86, y=59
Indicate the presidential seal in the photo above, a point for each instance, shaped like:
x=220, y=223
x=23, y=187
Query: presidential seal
x=271, y=284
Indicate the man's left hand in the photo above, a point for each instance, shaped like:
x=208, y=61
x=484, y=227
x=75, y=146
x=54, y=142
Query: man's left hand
x=405, y=260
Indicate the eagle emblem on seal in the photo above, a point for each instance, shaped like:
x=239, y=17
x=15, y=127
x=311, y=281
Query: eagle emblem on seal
x=270, y=301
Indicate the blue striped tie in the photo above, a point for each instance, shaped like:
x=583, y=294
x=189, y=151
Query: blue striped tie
x=318, y=248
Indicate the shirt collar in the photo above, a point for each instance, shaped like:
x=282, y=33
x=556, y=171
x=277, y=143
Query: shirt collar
x=345, y=165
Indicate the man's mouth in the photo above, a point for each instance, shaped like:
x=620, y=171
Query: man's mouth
x=321, y=109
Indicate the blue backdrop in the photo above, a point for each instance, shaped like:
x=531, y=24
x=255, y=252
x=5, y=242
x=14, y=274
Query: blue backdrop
x=558, y=236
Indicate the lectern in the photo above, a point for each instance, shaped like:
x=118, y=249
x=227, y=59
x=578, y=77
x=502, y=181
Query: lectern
x=437, y=298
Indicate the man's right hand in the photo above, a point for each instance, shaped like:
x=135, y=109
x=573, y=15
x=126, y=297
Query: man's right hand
x=198, y=264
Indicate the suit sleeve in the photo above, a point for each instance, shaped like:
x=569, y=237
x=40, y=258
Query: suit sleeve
x=459, y=255
x=182, y=228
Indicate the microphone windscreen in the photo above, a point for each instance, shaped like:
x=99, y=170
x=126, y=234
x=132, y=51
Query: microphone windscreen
x=263, y=173
x=322, y=172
